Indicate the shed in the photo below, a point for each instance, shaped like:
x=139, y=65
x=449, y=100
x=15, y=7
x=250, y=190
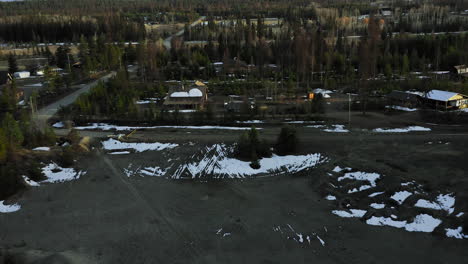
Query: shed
x=21, y=74
x=404, y=98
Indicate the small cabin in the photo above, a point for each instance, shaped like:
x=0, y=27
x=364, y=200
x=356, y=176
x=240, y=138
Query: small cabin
x=186, y=98
x=21, y=74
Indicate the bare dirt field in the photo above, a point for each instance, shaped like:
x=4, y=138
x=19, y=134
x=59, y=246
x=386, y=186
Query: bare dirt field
x=107, y=216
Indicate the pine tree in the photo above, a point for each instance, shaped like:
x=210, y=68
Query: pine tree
x=12, y=64
x=287, y=141
x=12, y=131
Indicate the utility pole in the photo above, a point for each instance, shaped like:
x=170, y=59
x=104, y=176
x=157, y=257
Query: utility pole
x=69, y=67
x=349, y=111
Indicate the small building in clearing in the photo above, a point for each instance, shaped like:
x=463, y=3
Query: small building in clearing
x=21, y=74
x=461, y=70
x=404, y=98
x=186, y=98
x=446, y=100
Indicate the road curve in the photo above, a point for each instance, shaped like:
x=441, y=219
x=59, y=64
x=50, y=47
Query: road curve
x=167, y=41
x=50, y=110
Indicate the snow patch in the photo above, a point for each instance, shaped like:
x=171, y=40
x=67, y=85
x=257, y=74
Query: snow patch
x=443, y=202
x=8, y=208
x=401, y=196
x=402, y=130
x=106, y=127
x=456, y=233
x=55, y=173
x=58, y=125
x=375, y=194
x=337, y=129
x=421, y=223
x=377, y=205
x=350, y=213
x=361, y=176
x=113, y=144
x=215, y=162
x=30, y=182
x=42, y=149
x=401, y=108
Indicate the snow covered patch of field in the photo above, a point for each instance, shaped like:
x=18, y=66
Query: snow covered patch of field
x=55, y=173
x=58, y=125
x=401, y=196
x=148, y=101
x=339, y=169
x=377, y=205
x=337, y=129
x=401, y=108
x=119, y=152
x=443, y=202
x=113, y=144
x=30, y=182
x=331, y=128
x=303, y=122
x=251, y=122
x=421, y=223
x=456, y=233
x=350, y=213
x=153, y=171
x=106, y=127
x=375, y=194
x=361, y=176
x=402, y=130
x=330, y=198
x=42, y=149
x=8, y=208
x=215, y=162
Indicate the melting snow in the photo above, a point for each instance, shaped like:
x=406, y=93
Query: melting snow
x=456, y=233
x=375, y=194
x=30, y=182
x=444, y=202
x=401, y=108
x=120, y=152
x=59, y=125
x=215, y=162
x=400, y=197
x=42, y=149
x=113, y=144
x=337, y=129
x=250, y=122
x=361, y=176
x=104, y=126
x=153, y=171
x=55, y=173
x=377, y=205
x=401, y=130
x=8, y=208
x=351, y=213
x=339, y=169
x=421, y=223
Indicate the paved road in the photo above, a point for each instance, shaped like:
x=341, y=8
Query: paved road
x=167, y=41
x=48, y=111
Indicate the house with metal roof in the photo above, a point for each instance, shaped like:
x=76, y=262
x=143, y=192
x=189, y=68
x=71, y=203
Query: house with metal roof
x=183, y=97
x=446, y=100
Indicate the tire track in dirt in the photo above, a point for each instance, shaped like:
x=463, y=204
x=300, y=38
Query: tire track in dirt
x=154, y=211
